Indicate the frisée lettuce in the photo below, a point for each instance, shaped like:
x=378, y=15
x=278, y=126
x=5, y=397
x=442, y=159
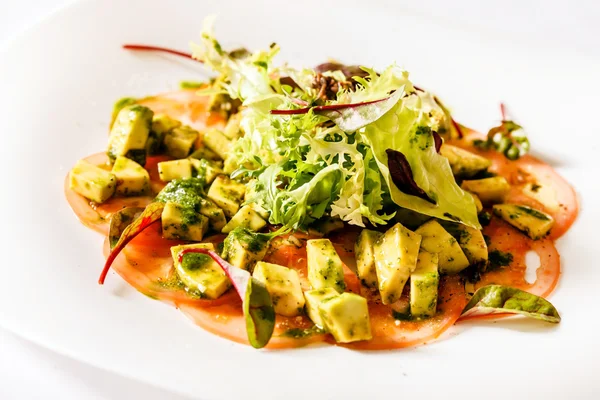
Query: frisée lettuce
x=315, y=144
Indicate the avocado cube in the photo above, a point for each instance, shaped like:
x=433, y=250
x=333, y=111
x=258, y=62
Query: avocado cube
x=243, y=249
x=232, y=129
x=176, y=169
x=325, y=268
x=181, y=223
x=283, y=284
x=478, y=203
x=424, y=283
x=161, y=124
x=543, y=193
x=346, y=317
x=313, y=299
x=464, y=164
x=247, y=218
x=199, y=272
x=534, y=223
x=215, y=215
x=118, y=106
x=205, y=170
x=206, y=154
x=92, y=182
x=325, y=226
x=437, y=240
x=396, y=254
x=132, y=178
x=364, y=250
x=471, y=241
x=489, y=190
x=227, y=194
x=230, y=165
x=180, y=141
x=217, y=142
x=129, y=133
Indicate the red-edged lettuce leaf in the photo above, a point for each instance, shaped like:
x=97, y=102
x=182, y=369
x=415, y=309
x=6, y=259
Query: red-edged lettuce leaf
x=120, y=221
x=402, y=175
x=150, y=215
x=256, y=301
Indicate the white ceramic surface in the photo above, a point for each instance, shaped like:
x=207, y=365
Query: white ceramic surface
x=59, y=81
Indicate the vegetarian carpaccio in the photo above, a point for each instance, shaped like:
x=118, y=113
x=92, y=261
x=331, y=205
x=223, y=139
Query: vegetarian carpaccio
x=280, y=207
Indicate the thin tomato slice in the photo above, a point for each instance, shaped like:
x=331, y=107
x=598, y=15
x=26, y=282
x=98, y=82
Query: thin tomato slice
x=506, y=239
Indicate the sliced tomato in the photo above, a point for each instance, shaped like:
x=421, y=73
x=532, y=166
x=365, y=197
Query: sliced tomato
x=507, y=239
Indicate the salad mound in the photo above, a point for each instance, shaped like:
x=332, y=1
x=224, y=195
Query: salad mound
x=280, y=207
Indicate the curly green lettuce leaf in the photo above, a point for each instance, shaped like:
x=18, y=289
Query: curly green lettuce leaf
x=498, y=299
x=407, y=129
x=245, y=78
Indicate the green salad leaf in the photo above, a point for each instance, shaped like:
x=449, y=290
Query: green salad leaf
x=498, y=299
x=407, y=129
x=309, y=156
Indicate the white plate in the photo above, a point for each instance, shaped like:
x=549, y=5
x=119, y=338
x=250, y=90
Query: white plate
x=58, y=83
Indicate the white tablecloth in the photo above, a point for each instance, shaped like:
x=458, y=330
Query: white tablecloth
x=30, y=372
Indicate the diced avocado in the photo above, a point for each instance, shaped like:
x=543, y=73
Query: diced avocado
x=217, y=142
x=489, y=190
x=230, y=165
x=364, y=250
x=183, y=223
x=478, y=203
x=180, y=141
x=227, y=194
x=472, y=242
x=215, y=215
x=176, y=169
x=410, y=219
x=283, y=284
x=223, y=104
x=313, y=299
x=396, y=254
x=246, y=217
x=129, y=133
x=346, y=317
x=424, y=286
x=544, y=194
x=325, y=267
x=92, y=182
x=118, y=106
x=232, y=130
x=205, y=170
x=437, y=240
x=325, y=226
x=534, y=223
x=206, y=154
x=464, y=164
x=161, y=125
x=243, y=248
x=199, y=272
x=132, y=178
